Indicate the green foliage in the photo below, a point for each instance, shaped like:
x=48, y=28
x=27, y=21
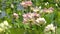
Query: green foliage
x=17, y=26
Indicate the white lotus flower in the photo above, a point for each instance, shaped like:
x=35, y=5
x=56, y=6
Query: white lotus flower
x=35, y=9
x=1, y=30
x=12, y=6
x=6, y=23
x=56, y=4
x=46, y=3
x=39, y=7
x=15, y=15
x=1, y=25
x=0, y=11
x=41, y=21
x=50, y=27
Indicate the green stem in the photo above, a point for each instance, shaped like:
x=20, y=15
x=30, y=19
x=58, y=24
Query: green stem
x=51, y=32
x=55, y=30
x=35, y=2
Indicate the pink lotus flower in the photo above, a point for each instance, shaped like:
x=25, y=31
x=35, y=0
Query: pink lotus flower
x=25, y=20
x=36, y=15
x=26, y=3
x=30, y=17
x=23, y=4
x=29, y=3
x=24, y=15
x=49, y=10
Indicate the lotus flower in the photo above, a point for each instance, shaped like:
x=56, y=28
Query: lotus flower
x=50, y=10
x=15, y=15
x=26, y=3
x=4, y=26
x=50, y=27
x=12, y=6
x=36, y=9
x=40, y=21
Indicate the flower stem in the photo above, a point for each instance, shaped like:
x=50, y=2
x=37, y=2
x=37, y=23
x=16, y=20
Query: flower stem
x=51, y=32
x=55, y=30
